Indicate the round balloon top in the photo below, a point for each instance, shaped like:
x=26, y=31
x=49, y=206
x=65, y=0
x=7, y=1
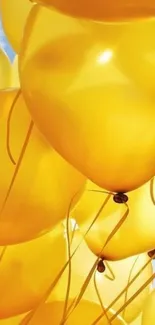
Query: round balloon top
x=104, y=10
x=81, y=86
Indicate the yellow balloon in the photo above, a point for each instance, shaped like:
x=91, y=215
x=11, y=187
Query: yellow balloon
x=15, y=75
x=148, y=316
x=14, y=14
x=27, y=270
x=5, y=70
x=110, y=283
x=104, y=10
x=136, y=55
x=85, y=314
x=36, y=184
x=135, y=235
x=78, y=88
x=12, y=320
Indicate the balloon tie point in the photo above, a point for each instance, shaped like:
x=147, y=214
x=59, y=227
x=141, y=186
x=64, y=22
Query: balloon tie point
x=152, y=254
x=120, y=198
x=101, y=266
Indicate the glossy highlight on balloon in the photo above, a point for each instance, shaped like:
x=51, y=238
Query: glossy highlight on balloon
x=36, y=184
x=102, y=114
x=104, y=10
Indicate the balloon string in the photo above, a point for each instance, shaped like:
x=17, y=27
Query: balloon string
x=3, y=252
x=101, y=191
x=100, y=299
x=17, y=166
x=69, y=265
x=9, y=127
x=124, y=290
x=96, y=217
x=73, y=233
x=134, y=296
x=54, y=283
x=152, y=190
x=129, y=278
x=112, y=278
x=85, y=285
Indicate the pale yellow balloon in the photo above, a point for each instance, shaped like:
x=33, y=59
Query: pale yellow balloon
x=148, y=317
x=15, y=74
x=5, y=70
x=85, y=314
x=36, y=184
x=76, y=75
x=27, y=271
x=137, y=321
x=14, y=14
x=135, y=235
x=109, y=285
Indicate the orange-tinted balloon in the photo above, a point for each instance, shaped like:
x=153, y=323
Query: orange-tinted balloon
x=78, y=87
x=85, y=314
x=36, y=184
x=110, y=283
x=135, y=235
x=27, y=270
x=104, y=10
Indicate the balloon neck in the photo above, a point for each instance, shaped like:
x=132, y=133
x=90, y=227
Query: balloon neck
x=120, y=198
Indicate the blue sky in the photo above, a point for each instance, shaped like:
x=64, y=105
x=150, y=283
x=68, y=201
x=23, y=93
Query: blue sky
x=5, y=45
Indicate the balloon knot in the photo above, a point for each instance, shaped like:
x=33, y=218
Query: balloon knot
x=151, y=254
x=120, y=198
x=101, y=266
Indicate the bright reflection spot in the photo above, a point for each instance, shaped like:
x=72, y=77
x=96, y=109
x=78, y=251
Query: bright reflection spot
x=72, y=226
x=105, y=56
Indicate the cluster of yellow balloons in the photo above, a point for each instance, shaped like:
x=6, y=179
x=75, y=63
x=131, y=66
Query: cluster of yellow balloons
x=77, y=148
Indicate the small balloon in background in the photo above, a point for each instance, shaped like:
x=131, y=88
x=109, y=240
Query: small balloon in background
x=104, y=10
x=98, y=212
x=36, y=184
x=85, y=314
x=13, y=22
x=15, y=74
x=109, y=284
x=69, y=86
x=148, y=316
x=5, y=70
x=27, y=271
